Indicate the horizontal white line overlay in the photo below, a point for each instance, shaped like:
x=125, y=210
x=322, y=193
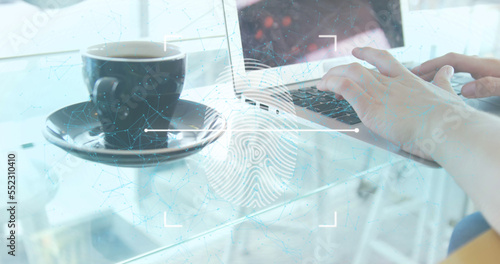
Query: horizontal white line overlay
x=334, y=225
x=355, y=130
x=331, y=36
x=169, y=37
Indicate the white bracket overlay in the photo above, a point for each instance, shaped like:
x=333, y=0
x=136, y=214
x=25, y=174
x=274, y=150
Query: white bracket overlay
x=334, y=225
x=331, y=36
x=165, y=221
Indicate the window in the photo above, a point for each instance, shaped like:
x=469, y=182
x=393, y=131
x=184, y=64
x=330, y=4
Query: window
x=27, y=29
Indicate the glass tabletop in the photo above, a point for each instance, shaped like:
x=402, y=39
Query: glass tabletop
x=313, y=207
x=253, y=191
x=76, y=211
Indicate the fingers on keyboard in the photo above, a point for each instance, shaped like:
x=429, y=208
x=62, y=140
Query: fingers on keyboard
x=326, y=104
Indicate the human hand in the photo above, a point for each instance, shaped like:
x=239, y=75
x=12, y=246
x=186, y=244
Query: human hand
x=486, y=71
x=393, y=102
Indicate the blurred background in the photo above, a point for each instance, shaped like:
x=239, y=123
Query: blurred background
x=31, y=30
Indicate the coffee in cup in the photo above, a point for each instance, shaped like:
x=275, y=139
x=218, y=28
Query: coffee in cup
x=135, y=85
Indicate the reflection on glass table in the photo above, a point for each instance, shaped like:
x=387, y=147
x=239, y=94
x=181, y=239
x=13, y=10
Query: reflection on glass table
x=104, y=237
x=106, y=214
x=88, y=212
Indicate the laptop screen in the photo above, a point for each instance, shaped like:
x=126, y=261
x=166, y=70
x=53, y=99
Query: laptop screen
x=284, y=32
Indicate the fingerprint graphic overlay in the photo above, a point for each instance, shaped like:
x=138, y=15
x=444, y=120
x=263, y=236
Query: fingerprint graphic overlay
x=253, y=165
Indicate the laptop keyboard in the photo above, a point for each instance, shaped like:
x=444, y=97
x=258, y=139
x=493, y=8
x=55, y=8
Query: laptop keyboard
x=458, y=80
x=326, y=104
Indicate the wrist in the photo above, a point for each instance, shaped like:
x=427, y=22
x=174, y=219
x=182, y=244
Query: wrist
x=445, y=126
x=470, y=155
x=460, y=132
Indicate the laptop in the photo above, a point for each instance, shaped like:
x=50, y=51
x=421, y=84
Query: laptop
x=300, y=40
